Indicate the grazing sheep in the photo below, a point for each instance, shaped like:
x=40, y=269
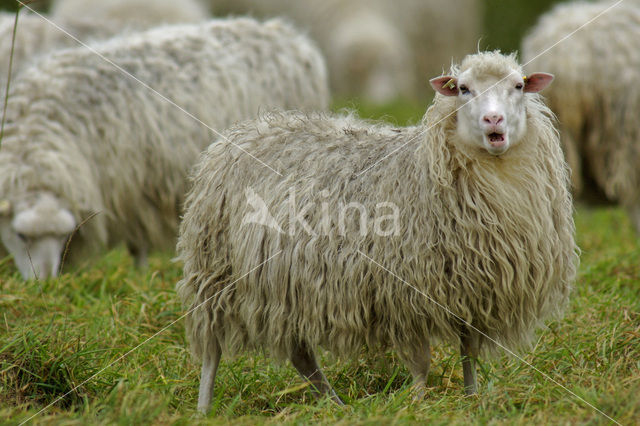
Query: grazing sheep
x=482, y=226
x=595, y=95
x=367, y=54
x=139, y=14
x=84, y=138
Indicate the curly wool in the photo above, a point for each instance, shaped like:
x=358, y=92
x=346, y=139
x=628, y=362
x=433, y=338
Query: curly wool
x=490, y=238
x=104, y=143
x=595, y=92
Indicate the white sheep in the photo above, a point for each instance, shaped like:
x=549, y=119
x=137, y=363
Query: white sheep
x=83, y=138
x=367, y=54
x=87, y=21
x=595, y=95
x=472, y=208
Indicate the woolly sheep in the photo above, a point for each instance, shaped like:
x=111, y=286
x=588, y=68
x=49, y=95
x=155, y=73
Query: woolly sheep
x=483, y=227
x=595, y=97
x=83, y=138
x=366, y=53
x=87, y=21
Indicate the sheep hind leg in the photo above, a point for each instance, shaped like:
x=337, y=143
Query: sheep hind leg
x=304, y=360
x=210, y=361
x=419, y=362
x=139, y=255
x=470, y=349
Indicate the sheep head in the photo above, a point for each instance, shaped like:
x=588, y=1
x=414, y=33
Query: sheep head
x=490, y=93
x=34, y=228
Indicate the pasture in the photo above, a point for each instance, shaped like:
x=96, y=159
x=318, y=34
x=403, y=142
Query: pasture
x=104, y=342
x=111, y=338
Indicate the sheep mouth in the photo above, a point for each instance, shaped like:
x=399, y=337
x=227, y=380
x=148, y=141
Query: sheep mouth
x=496, y=139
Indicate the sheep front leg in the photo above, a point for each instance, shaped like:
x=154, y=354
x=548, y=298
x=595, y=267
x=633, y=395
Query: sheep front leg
x=210, y=361
x=304, y=360
x=470, y=349
x=418, y=361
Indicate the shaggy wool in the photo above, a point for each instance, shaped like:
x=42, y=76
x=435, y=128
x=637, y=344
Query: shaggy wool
x=489, y=238
x=106, y=144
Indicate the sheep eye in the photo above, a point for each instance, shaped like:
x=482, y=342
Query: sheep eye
x=519, y=86
x=464, y=89
x=22, y=237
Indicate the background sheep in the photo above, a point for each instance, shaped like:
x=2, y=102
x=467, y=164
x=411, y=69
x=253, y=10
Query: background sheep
x=595, y=96
x=484, y=228
x=440, y=33
x=83, y=138
x=367, y=54
x=87, y=21
x=379, y=49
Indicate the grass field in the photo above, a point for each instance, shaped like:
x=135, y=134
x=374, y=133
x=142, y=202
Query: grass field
x=115, y=333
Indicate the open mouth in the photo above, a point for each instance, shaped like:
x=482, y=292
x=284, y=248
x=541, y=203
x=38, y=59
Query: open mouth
x=496, y=139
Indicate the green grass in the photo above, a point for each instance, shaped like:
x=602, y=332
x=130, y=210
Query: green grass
x=70, y=335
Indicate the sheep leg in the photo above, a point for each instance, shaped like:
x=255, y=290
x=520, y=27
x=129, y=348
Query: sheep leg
x=470, y=349
x=139, y=254
x=210, y=361
x=419, y=362
x=304, y=360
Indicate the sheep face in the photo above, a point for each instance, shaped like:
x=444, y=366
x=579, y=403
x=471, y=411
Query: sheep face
x=491, y=108
x=35, y=229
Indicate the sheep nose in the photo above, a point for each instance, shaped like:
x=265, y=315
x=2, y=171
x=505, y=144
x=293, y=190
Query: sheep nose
x=493, y=119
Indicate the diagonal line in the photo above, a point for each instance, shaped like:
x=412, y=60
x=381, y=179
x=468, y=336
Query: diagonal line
x=421, y=133
x=149, y=338
x=546, y=376
x=163, y=97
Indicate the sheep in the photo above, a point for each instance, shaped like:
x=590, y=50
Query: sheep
x=438, y=33
x=88, y=147
x=595, y=96
x=472, y=208
x=379, y=49
x=368, y=55
x=87, y=21
x=134, y=13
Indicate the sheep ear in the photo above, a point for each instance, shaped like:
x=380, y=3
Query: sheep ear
x=445, y=85
x=5, y=207
x=537, y=81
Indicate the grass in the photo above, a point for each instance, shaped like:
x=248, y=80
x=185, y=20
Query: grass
x=70, y=335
